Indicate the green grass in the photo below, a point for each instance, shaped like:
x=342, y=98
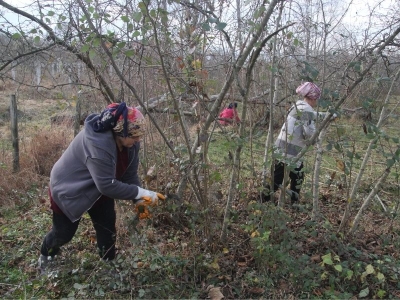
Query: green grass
x=162, y=260
x=270, y=252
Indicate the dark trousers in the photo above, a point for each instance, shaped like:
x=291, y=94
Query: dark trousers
x=296, y=177
x=103, y=218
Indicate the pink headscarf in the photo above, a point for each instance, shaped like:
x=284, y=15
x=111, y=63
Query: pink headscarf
x=309, y=90
x=136, y=123
x=124, y=120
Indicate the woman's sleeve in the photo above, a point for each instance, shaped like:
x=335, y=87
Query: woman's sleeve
x=103, y=176
x=309, y=128
x=308, y=119
x=319, y=115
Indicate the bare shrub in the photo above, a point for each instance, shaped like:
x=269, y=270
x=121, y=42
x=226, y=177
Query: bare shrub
x=36, y=161
x=46, y=148
x=16, y=188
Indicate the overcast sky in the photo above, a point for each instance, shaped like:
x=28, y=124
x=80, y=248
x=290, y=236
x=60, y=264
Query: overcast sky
x=357, y=15
x=359, y=11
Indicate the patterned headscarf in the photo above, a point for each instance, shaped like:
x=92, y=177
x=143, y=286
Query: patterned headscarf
x=124, y=120
x=309, y=90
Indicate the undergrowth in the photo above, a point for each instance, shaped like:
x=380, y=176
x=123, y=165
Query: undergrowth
x=269, y=252
x=36, y=159
x=265, y=256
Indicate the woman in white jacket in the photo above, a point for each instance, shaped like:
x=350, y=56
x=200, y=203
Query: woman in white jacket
x=299, y=126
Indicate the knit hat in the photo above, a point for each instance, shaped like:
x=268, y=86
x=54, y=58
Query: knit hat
x=124, y=120
x=309, y=90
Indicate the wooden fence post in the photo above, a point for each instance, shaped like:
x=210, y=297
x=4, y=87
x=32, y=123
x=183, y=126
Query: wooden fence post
x=14, y=132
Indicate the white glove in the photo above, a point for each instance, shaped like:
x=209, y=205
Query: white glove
x=147, y=197
x=334, y=116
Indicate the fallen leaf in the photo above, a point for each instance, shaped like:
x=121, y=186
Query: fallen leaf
x=148, y=178
x=140, y=264
x=258, y=291
x=340, y=165
x=316, y=258
x=215, y=293
x=151, y=170
x=215, y=265
x=242, y=264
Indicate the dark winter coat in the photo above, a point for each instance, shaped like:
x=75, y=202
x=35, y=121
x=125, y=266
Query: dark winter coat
x=87, y=170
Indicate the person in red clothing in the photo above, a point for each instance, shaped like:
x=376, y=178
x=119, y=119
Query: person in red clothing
x=229, y=116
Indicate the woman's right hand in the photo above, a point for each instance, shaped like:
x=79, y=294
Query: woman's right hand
x=147, y=197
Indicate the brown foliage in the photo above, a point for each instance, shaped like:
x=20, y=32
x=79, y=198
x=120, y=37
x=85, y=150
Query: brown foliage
x=15, y=186
x=46, y=148
x=36, y=161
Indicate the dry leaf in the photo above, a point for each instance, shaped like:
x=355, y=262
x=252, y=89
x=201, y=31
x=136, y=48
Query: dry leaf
x=258, y=291
x=215, y=293
x=149, y=179
x=255, y=234
x=215, y=264
x=242, y=264
x=151, y=170
x=316, y=258
x=201, y=74
x=180, y=63
x=340, y=165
